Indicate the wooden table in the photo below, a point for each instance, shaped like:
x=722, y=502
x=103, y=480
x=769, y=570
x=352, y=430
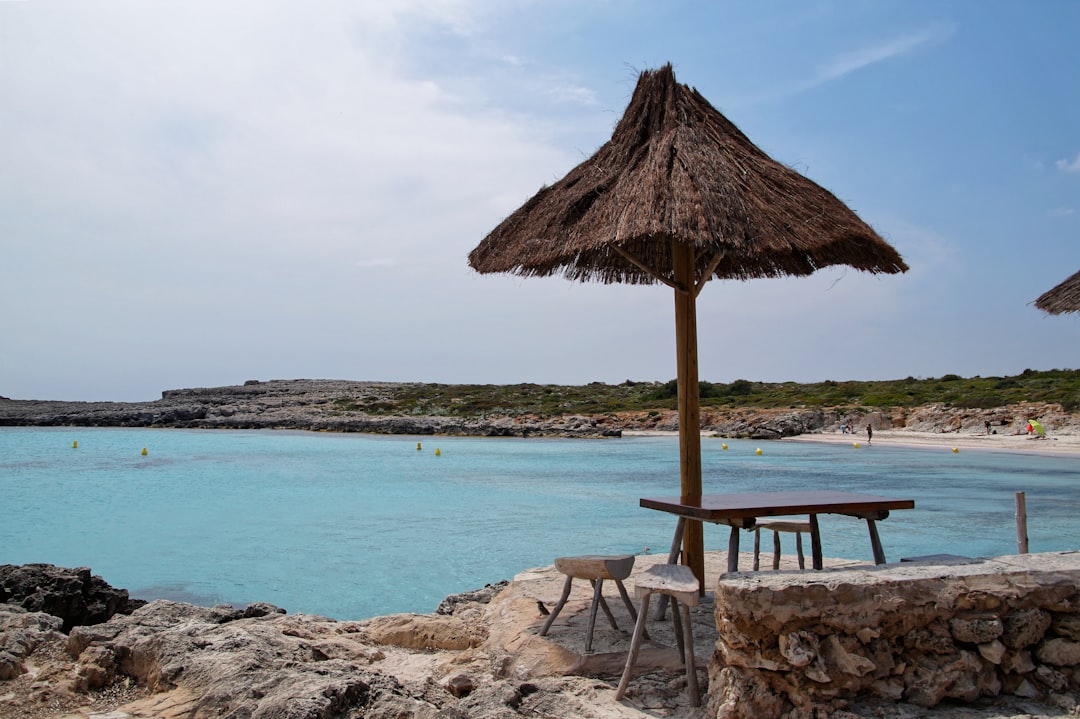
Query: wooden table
x=740, y=511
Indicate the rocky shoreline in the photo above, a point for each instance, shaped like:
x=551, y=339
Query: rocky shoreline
x=477, y=656
x=336, y=406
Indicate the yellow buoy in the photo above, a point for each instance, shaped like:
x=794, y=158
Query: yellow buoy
x=856, y=445
x=956, y=450
x=75, y=444
x=723, y=446
x=438, y=452
x=418, y=447
x=144, y=451
x=758, y=450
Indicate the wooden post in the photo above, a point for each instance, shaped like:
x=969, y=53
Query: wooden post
x=817, y=561
x=689, y=402
x=732, y=550
x=1021, y=524
x=875, y=542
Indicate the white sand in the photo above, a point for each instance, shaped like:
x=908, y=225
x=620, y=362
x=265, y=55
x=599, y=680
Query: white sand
x=1056, y=444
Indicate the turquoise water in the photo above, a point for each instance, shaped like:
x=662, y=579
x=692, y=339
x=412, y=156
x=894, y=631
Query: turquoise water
x=352, y=526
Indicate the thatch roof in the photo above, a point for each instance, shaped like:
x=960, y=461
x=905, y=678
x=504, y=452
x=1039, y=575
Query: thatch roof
x=1063, y=298
x=677, y=169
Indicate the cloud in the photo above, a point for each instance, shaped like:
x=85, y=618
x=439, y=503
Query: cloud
x=849, y=62
x=1062, y=212
x=846, y=63
x=1067, y=165
x=574, y=94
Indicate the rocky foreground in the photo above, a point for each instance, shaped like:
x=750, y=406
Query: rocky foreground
x=479, y=655
x=346, y=406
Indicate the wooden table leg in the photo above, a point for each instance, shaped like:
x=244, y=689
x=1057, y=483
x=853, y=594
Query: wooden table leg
x=733, y=550
x=875, y=542
x=694, y=552
x=757, y=548
x=676, y=542
x=815, y=543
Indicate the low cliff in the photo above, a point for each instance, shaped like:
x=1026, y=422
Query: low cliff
x=317, y=405
x=379, y=408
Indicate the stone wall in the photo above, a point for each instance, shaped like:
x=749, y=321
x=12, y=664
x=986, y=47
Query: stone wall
x=799, y=644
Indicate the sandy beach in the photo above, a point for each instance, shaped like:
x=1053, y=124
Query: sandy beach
x=1055, y=444
x=1064, y=443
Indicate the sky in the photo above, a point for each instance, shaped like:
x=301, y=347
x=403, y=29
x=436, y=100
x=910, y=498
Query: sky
x=197, y=193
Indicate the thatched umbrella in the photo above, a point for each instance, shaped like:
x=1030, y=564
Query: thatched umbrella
x=1063, y=298
x=679, y=195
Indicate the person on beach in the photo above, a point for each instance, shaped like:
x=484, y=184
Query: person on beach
x=869, y=433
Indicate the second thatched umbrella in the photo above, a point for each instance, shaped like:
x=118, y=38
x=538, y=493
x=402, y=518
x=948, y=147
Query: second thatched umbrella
x=1062, y=298
x=679, y=196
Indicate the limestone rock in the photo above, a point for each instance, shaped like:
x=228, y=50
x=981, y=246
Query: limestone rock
x=1060, y=652
x=736, y=695
x=1024, y=628
x=799, y=648
x=22, y=632
x=450, y=604
x=96, y=669
x=992, y=652
x=1052, y=678
x=74, y=595
x=842, y=661
x=1018, y=662
x=424, y=631
x=935, y=678
x=976, y=630
x=1067, y=626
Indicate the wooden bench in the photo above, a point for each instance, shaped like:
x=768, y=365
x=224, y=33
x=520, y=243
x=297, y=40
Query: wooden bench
x=679, y=583
x=776, y=526
x=595, y=568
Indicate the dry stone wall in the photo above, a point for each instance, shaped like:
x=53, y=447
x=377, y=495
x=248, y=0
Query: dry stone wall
x=801, y=644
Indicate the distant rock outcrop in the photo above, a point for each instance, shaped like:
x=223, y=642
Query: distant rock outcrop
x=317, y=405
x=346, y=406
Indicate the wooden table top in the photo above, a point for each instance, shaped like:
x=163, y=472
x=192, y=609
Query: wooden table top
x=719, y=507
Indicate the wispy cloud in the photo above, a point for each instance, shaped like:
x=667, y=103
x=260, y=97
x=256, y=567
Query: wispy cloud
x=1062, y=212
x=855, y=60
x=1068, y=165
x=574, y=94
x=845, y=63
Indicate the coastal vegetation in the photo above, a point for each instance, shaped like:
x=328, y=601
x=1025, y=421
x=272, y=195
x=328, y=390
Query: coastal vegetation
x=470, y=400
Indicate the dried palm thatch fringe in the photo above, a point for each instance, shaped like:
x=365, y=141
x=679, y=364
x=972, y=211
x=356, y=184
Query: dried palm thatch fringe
x=1063, y=298
x=676, y=170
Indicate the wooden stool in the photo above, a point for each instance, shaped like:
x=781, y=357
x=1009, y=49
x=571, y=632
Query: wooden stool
x=596, y=569
x=777, y=526
x=679, y=583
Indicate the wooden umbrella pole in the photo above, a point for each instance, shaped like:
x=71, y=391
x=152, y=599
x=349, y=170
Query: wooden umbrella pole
x=689, y=402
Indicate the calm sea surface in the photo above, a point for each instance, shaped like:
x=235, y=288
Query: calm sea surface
x=353, y=526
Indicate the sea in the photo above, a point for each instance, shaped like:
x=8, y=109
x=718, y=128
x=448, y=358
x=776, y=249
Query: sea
x=352, y=526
